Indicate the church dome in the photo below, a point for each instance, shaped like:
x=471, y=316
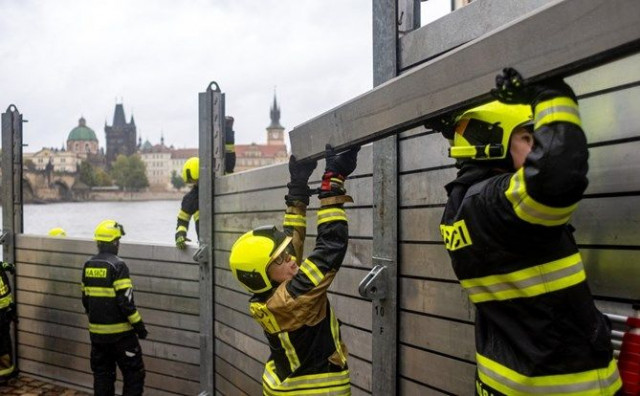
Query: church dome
x=82, y=132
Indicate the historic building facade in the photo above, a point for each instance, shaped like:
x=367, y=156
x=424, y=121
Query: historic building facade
x=249, y=156
x=120, y=136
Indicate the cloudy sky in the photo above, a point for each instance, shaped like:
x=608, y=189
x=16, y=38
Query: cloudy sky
x=60, y=60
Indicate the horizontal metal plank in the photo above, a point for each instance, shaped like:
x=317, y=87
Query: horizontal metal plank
x=613, y=272
x=239, y=380
x=278, y=175
x=560, y=38
x=427, y=261
x=437, y=298
x=273, y=199
x=246, y=363
x=225, y=387
x=145, y=251
x=613, y=74
x=80, y=380
x=450, y=375
x=438, y=335
x=454, y=29
x=410, y=388
x=249, y=346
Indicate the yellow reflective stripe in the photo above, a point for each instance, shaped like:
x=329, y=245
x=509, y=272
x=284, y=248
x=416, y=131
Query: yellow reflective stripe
x=8, y=370
x=182, y=215
x=196, y=216
x=337, y=180
x=5, y=301
x=335, y=332
x=181, y=228
x=230, y=148
x=124, y=283
x=331, y=214
x=602, y=381
x=531, y=211
x=289, y=349
x=134, y=317
x=109, y=328
x=99, y=291
x=294, y=220
x=561, y=109
x=312, y=384
x=529, y=282
x=312, y=272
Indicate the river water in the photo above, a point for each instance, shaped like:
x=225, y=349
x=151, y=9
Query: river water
x=143, y=221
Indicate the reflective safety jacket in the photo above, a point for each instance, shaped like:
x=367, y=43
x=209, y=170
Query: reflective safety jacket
x=307, y=354
x=5, y=291
x=537, y=328
x=188, y=209
x=107, y=297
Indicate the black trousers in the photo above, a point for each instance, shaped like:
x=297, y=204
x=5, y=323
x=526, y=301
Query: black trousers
x=7, y=368
x=127, y=354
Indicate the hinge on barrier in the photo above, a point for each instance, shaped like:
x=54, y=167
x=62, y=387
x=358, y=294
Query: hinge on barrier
x=201, y=255
x=374, y=285
x=3, y=237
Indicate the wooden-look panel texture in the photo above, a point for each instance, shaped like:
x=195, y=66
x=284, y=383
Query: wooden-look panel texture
x=52, y=332
x=437, y=353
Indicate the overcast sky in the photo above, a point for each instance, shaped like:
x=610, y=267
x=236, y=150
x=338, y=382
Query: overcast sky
x=60, y=60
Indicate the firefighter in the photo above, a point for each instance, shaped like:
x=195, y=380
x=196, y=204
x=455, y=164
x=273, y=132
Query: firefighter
x=189, y=208
x=57, y=232
x=7, y=315
x=290, y=294
x=190, y=174
x=114, y=322
x=523, y=170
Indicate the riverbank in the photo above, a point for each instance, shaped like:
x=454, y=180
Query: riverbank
x=102, y=196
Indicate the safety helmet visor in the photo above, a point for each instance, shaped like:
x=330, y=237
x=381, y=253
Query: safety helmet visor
x=484, y=132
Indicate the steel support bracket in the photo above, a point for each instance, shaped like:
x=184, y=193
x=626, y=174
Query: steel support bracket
x=201, y=255
x=3, y=237
x=374, y=285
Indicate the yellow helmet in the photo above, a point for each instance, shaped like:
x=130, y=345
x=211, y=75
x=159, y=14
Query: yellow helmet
x=191, y=170
x=57, y=232
x=108, y=231
x=252, y=253
x=483, y=133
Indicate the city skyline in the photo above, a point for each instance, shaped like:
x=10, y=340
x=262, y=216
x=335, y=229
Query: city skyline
x=78, y=60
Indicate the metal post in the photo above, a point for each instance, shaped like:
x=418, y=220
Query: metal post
x=12, y=217
x=211, y=153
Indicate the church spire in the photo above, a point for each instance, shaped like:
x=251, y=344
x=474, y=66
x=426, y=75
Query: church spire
x=275, y=114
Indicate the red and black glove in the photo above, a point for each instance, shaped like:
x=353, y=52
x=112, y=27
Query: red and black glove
x=338, y=168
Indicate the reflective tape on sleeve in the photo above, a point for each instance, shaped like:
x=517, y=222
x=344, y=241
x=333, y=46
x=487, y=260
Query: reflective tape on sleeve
x=561, y=109
x=531, y=211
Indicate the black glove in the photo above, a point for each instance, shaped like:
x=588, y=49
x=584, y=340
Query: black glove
x=342, y=164
x=181, y=240
x=299, y=171
x=140, y=330
x=445, y=124
x=511, y=89
x=338, y=167
x=12, y=314
x=9, y=267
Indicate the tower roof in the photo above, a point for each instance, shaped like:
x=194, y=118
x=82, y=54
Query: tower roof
x=82, y=132
x=275, y=115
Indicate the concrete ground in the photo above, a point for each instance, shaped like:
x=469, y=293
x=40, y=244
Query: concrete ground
x=27, y=386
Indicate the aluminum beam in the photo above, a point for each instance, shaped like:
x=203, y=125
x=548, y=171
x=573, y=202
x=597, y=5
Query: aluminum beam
x=12, y=208
x=560, y=38
x=211, y=153
x=459, y=27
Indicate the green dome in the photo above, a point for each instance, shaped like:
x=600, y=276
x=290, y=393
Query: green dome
x=82, y=132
